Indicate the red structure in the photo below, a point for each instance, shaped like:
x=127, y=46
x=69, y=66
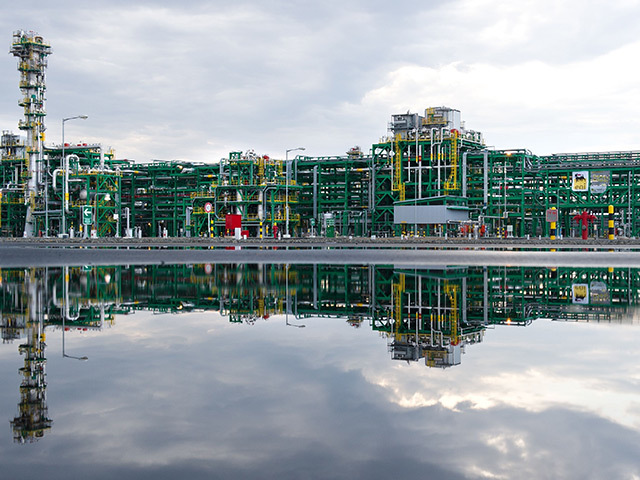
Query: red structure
x=231, y=223
x=585, y=217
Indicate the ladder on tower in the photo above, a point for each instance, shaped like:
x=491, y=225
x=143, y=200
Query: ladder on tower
x=451, y=290
x=398, y=290
x=261, y=171
x=452, y=181
x=397, y=167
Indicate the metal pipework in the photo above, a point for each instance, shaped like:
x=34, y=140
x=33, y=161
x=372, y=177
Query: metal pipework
x=66, y=180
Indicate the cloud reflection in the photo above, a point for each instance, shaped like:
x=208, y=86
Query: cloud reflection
x=197, y=394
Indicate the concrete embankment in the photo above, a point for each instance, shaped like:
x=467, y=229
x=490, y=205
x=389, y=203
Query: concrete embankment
x=312, y=242
x=421, y=252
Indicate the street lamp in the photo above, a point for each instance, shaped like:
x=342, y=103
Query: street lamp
x=65, y=167
x=286, y=161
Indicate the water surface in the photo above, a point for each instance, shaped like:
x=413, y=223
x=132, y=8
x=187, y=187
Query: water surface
x=325, y=371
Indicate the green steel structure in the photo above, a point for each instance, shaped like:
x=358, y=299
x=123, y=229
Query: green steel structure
x=13, y=207
x=418, y=173
x=195, y=199
x=429, y=175
x=335, y=194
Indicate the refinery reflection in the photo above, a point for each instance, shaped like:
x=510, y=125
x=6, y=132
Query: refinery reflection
x=424, y=313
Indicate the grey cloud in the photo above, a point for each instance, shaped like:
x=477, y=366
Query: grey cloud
x=193, y=81
x=260, y=65
x=159, y=396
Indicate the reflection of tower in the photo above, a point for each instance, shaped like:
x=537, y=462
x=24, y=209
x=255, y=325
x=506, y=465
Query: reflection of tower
x=32, y=419
x=32, y=53
x=428, y=317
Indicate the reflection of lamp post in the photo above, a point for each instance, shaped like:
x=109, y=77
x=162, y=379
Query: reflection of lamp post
x=288, y=307
x=418, y=178
x=286, y=161
x=65, y=313
x=65, y=167
x=83, y=359
x=294, y=325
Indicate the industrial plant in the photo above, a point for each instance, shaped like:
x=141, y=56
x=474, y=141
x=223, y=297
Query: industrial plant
x=429, y=175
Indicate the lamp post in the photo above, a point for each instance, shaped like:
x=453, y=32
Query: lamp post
x=286, y=200
x=65, y=167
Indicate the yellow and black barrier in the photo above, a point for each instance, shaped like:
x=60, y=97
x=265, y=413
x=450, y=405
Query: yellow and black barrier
x=611, y=225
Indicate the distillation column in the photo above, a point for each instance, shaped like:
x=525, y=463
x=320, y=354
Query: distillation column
x=32, y=53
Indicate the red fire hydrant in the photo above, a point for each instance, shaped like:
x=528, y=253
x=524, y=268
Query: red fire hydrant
x=585, y=217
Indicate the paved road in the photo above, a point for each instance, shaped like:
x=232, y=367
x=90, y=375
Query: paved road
x=30, y=256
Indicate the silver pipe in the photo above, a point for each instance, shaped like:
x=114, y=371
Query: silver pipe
x=486, y=177
x=55, y=174
x=464, y=174
x=66, y=180
x=315, y=192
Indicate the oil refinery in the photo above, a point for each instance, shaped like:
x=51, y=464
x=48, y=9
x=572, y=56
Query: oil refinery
x=428, y=176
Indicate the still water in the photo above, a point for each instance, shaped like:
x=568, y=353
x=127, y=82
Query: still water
x=320, y=371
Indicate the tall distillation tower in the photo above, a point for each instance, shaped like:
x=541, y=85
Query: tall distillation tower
x=32, y=53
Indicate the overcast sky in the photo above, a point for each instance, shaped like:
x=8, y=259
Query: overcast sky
x=194, y=80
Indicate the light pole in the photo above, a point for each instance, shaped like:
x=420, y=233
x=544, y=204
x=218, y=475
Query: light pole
x=286, y=200
x=65, y=168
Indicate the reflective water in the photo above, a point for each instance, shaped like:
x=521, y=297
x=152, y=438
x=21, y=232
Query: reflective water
x=303, y=371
